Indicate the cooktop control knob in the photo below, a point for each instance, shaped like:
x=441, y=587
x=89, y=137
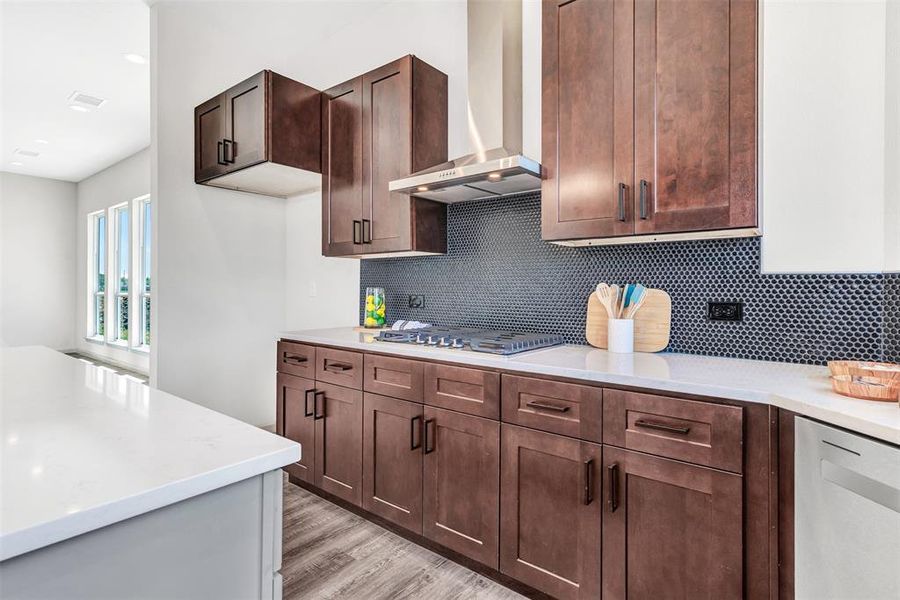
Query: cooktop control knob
x=445, y=340
x=457, y=343
x=420, y=339
x=433, y=340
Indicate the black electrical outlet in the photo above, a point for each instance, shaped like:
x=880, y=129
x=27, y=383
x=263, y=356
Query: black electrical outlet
x=725, y=311
x=416, y=301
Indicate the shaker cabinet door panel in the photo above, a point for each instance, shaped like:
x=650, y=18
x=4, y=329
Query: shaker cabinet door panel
x=392, y=460
x=550, y=513
x=339, y=428
x=587, y=152
x=295, y=422
x=670, y=529
x=461, y=493
x=695, y=107
x=209, y=133
x=245, y=142
x=342, y=169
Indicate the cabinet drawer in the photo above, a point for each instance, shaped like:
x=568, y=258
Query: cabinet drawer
x=296, y=359
x=394, y=377
x=340, y=367
x=471, y=391
x=554, y=406
x=697, y=432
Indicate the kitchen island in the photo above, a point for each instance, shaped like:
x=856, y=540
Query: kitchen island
x=109, y=488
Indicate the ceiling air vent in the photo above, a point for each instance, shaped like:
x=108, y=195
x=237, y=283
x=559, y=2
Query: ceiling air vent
x=28, y=153
x=86, y=100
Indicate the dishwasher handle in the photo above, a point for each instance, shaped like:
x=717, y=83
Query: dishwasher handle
x=861, y=485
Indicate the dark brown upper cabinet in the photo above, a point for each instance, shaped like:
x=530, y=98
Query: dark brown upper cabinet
x=262, y=136
x=381, y=126
x=649, y=118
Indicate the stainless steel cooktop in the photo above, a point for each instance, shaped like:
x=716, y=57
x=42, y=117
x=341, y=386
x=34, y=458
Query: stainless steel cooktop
x=478, y=340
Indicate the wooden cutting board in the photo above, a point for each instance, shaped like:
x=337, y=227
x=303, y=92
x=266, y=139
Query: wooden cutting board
x=652, y=322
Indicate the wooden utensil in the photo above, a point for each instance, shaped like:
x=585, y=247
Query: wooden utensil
x=604, y=294
x=637, y=300
x=652, y=323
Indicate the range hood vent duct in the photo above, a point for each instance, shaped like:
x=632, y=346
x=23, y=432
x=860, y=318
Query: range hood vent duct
x=497, y=167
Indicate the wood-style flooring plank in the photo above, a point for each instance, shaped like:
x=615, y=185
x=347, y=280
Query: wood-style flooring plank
x=330, y=553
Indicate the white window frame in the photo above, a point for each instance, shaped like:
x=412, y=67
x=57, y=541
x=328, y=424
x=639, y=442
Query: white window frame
x=93, y=274
x=136, y=285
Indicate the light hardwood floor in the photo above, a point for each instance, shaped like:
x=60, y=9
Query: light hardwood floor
x=335, y=554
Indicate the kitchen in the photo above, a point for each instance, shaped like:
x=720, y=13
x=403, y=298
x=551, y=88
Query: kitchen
x=718, y=434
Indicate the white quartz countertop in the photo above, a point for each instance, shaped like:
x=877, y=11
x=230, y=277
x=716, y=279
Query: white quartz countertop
x=83, y=447
x=804, y=389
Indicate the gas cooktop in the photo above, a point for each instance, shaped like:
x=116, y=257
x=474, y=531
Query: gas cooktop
x=479, y=340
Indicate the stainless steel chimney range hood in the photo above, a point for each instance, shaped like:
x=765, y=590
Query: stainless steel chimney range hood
x=497, y=167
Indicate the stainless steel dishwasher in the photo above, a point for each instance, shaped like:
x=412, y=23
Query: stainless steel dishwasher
x=847, y=515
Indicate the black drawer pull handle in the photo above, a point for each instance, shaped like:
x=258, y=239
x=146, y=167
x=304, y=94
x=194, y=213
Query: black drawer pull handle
x=229, y=144
x=338, y=367
x=357, y=232
x=294, y=360
x=415, y=441
x=622, y=189
x=306, y=410
x=662, y=427
x=220, y=154
x=613, y=470
x=316, y=414
x=429, y=447
x=588, y=481
x=547, y=406
x=366, y=231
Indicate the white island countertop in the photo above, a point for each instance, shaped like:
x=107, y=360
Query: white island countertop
x=83, y=448
x=804, y=389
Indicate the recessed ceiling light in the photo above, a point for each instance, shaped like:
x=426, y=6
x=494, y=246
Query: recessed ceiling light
x=78, y=108
x=136, y=59
x=16, y=163
x=494, y=176
x=40, y=141
x=422, y=188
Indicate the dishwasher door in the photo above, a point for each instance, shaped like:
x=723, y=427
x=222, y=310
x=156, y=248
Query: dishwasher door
x=846, y=515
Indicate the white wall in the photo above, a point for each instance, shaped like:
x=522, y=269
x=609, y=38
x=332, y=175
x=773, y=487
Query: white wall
x=37, y=261
x=122, y=182
x=232, y=270
x=825, y=80
x=892, y=141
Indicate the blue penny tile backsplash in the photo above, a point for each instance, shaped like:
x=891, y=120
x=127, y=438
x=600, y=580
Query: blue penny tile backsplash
x=498, y=273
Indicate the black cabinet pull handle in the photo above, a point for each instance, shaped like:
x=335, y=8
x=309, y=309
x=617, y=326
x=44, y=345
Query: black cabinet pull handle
x=415, y=441
x=547, y=406
x=337, y=367
x=662, y=427
x=357, y=232
x=220, y=154
x=429, y=448
x=613, y=470
x=622, y=189
x=643, y=199
x=293, y=359
x=366, y=227
x=588, y=481
x=229, y=144
x=316, y=414
x=306, y=411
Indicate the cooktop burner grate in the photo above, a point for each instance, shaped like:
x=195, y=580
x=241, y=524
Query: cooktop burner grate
x=478, y=340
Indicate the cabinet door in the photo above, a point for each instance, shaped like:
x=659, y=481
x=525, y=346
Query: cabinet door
x=342, y=163
x=209, y=132
x=387, y=155
x=245, y=137
x=550, y=513
x=695, y=114
x=392, y=460
x=461, y=493
x=587, y=119
x=294, y=421
x=339, y=427
x=671, y=530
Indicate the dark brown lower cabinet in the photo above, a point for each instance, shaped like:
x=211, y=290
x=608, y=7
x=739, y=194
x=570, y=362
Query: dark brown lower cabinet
x=338, y=417
x=670, y=529
x=392, y=460
x=550, y=512
x=294, y=420
x=461, y=491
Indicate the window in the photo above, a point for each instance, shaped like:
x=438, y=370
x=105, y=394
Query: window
x=122, y=269
x=143, y=209
x=97, y=300
x=119, y=245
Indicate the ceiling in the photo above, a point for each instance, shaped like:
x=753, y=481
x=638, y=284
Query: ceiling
x=50, y=49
